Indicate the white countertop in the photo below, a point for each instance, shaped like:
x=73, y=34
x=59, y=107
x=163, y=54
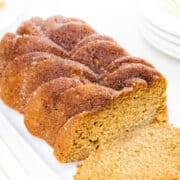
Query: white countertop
x=118, y=19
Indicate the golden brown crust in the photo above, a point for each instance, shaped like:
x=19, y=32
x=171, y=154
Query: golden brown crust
x=91, y=38
x=43, y=118
x=88, y=97
x=126, y=59
x=6, y=45
x=117, y=79
x=52, y=23
x=32, y=27
x=65, y=138
x=12, y=77
x=13, y=45
x=69, y=34
x=98, y=54
x=58, y=105
x=49, y=69
x=38, y=26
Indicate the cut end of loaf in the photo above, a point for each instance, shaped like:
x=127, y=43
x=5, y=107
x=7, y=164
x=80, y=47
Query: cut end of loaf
x=88, y=131
x=149, y=153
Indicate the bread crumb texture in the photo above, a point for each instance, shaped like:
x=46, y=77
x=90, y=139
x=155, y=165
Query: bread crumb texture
x=151, y=153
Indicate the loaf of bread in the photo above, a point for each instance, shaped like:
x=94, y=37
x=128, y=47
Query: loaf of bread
x=137, y=105
x=77, y=89
x=147, y=153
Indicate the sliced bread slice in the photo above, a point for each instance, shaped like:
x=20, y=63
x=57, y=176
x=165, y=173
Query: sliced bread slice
x=149, y=153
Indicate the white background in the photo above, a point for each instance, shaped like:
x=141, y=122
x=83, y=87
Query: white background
x=119, y=19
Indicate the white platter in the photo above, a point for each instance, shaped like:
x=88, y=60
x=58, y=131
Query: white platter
x=34, y=155
x=159, y=43
x=162, y=34
x=160, y=15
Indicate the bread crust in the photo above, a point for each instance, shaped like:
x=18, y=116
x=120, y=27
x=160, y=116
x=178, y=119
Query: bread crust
x=66, y=102
x=12, y=77
x=69, y=34
x=43, y=106
x=13, y=45
x=44, y=27
x=98, y=54
x=117, y=79
x=89, y=39
x=44, y=71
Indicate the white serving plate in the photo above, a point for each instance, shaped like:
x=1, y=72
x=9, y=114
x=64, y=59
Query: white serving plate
x=162, y=34
x=158, y=13
x=33, y=154
x=159, y=43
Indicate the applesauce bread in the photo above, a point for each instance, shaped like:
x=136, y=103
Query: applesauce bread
x=78, y=89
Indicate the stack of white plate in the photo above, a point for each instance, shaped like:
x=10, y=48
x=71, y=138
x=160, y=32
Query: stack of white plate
x=160, y=24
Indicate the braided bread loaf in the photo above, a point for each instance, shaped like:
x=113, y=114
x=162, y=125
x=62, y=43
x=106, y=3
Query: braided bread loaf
x=77, y=89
